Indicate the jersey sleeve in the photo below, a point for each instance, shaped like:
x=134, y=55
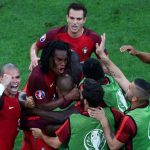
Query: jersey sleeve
x=126, y=131
x=47, y=37
x=63, y=132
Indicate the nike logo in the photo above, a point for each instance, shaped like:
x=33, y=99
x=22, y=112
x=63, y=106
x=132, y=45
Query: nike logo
x=11, y=107
x=51, y=84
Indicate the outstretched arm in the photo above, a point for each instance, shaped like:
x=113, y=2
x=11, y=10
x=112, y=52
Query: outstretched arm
x=115, y=72
x=34, y=56
x=143, y=56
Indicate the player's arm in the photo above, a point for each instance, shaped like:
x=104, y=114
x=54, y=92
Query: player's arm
x=34, y=56
x=72, y=95
x=115, y=72
x=143, y=56
x=99, y=114
x=26, y=101
x=51, y=141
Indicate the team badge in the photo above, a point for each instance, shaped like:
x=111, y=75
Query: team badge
x=84, y=50
x=42, y=39
x=39, y=94
x=95, y=139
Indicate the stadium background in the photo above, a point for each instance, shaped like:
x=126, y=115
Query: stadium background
x=123, y=21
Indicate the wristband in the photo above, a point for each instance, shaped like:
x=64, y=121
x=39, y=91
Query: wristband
x=2, y=88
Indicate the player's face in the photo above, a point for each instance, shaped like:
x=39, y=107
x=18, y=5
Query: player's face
x=60, y=61
x=12, y=88
x=75, y=20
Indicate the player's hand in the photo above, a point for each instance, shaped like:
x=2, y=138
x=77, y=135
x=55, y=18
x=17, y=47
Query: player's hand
x=74, y=94
x=34, y=62
x=6, y=79
x=101, y=47
x=36, y=132
x=29, y=103
x=97, y=113
x=129, y=49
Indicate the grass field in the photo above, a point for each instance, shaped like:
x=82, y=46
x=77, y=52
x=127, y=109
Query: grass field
x=123, y=21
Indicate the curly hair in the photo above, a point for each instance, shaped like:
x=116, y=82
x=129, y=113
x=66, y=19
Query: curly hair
x=48, y=53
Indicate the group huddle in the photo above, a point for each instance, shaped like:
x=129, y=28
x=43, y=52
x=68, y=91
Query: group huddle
x=71, y=100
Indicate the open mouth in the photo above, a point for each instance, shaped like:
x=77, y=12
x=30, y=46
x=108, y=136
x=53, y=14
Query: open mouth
x=74, y=27
x=14, y=88
x=61, y=70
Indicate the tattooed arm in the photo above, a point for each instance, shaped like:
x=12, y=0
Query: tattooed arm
x=115, y=72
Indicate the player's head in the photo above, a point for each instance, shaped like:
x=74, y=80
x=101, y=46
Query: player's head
x=55, y=57
x=92, y=69
x=12, y=70
x=139, y=89
x=76, y=68
x=76, y=17
x=77, y=7
x=92, y=93
x=64, y=85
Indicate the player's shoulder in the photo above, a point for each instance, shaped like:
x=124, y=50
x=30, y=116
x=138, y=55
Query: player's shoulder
x=61, y=29
x=90, y=32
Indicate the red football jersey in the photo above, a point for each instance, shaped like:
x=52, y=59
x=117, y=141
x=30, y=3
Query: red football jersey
x=41, y=86
x=83, y=45
x=9, y=120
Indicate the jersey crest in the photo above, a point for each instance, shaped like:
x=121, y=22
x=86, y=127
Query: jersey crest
x=39, y=94
x=94, y=140
x=84, y=50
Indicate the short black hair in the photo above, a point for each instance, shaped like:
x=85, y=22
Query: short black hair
x=48, y=53
x=92, y=68
x=77, y=6
x=75, y=67
x=143, y=84
x=92, y=92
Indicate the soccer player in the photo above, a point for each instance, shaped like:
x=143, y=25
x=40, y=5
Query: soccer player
x=143, y=56
x=80, y=39
x=55, y=59
x=80, y=131
x=113, y=96
x=9, y=105
x=134, y=129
